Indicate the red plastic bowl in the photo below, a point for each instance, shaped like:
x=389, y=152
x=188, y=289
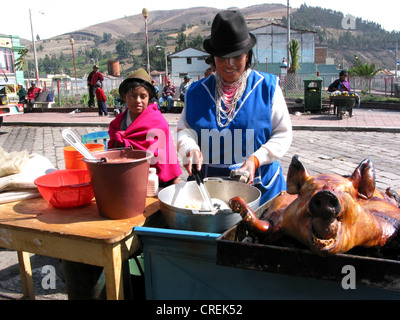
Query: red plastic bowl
x=66, y=188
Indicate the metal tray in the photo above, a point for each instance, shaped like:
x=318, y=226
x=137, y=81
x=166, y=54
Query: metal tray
x=232, y=251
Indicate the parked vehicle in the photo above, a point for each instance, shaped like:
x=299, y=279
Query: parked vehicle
x=9, y=100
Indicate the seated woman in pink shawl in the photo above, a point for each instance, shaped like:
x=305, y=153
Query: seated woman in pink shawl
x=143, y=126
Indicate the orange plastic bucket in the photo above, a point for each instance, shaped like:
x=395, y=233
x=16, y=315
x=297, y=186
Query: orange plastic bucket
x=73, y=158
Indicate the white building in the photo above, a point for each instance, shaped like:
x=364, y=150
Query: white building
x=188, y=62
x=272, y=44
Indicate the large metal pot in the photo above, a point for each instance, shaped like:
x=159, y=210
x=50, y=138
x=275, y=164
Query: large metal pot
x=175, y=198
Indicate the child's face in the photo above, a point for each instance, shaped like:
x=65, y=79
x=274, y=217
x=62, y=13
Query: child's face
x=137, y=100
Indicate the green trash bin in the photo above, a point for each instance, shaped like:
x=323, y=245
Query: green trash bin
x=313, y=94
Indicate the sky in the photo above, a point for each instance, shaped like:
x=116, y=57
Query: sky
x=51, y=18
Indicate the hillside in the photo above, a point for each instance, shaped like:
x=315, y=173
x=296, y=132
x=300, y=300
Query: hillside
x=98, y=42
x=368, y=40
x=163, y=25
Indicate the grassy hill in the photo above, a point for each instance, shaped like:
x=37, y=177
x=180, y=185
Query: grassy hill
x=98, y=43
x=163, y=25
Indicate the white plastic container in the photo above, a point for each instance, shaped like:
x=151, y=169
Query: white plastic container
x=152, y=184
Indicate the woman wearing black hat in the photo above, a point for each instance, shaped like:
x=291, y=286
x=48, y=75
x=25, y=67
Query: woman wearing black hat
x=340, y=84
x=343, y=85
x=238, y=117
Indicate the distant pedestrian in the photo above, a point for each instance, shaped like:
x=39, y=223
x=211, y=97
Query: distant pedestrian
x=101, y=100
x=92, y=79
x=211, y=70
x=32, y=94
x=154, y=83
x=21, y=93
x=167, y=94
x=183, y=87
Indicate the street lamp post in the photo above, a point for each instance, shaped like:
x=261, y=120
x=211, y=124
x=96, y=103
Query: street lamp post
x=166, y=61
x=34, y=50
x=71, y=41
x=145, y=14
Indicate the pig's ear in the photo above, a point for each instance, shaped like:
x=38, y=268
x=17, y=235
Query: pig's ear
x=364, y=179
x=297, y=176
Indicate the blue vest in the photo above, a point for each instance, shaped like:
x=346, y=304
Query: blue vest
x=249, y=130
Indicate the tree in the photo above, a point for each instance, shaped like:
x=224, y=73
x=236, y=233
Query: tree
x=181, y=43
x=294, y=51
x=124, y=49
x=366, y=72
x=106, y=37
x=196, y=43
x=50, y=65
x=20, y=63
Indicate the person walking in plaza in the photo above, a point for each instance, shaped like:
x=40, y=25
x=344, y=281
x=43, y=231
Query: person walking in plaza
x=101, y=100
x=168, y=94
x=245, y=107
x=31, y=95
x=143, y=127
x=183, y=87
x=92, y=79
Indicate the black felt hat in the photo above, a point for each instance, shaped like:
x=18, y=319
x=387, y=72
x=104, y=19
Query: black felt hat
x=230, y=36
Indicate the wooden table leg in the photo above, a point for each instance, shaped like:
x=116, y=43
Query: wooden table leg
x=113, y=272
x=25, y=270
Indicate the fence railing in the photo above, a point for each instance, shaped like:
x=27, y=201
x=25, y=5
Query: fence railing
x=293, y=85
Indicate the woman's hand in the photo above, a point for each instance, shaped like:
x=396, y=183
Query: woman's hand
x=250, y=167
x=193, y=157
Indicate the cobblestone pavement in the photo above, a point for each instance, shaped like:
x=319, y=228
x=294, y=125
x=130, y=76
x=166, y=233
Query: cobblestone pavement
x=323, y=151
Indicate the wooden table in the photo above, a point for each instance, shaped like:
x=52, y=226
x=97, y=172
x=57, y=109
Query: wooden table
x=79, y=234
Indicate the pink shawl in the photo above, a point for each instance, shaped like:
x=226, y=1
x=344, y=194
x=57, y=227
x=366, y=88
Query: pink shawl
x=149, y=131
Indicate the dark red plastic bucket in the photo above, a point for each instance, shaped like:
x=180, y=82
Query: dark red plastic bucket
x=120, y=183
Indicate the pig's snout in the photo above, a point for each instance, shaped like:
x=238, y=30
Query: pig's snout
x=324, y=208
x=324, y=205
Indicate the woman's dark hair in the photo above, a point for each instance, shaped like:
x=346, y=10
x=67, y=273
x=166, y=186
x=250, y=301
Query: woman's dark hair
x=249, y=62
x=124, y=88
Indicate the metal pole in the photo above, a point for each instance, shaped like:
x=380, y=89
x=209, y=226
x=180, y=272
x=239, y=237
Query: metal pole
x=145, y=14
x=288, y=33
x=166, y=63
x=34, y=50
x=147, y=48
x=73, y=57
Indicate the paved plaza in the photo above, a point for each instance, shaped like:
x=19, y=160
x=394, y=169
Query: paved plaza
x=324, y=143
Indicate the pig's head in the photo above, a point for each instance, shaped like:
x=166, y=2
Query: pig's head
x=330, y=205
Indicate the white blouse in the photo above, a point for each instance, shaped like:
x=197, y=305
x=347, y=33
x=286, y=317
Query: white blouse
x=274, y=149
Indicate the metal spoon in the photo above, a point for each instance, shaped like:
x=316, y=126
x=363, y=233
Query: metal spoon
x=74, y=141
x=202, y=188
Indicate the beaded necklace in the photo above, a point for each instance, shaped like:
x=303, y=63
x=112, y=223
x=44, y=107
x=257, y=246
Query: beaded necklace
x=229, y=93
